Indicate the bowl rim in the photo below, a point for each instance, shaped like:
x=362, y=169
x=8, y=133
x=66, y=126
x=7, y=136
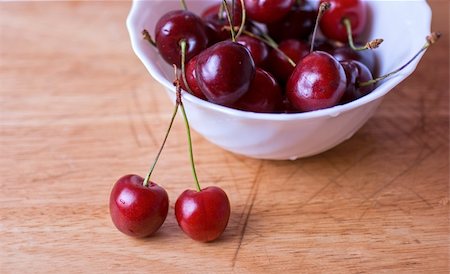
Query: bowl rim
x=377, y=93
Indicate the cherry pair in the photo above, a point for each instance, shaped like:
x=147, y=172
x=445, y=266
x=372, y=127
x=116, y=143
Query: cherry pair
x=139, y=207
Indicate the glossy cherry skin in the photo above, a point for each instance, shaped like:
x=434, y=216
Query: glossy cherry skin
x=174, y=26
x=191, y=79
x=367, y=57
x=224, y=72
x=317, y=82
x=135, y=209
x=267, y=11
x=356, y=72
x=331, y=22
x=257, y=48
x=203, y=215
x=264, y=95
x=297, y=24
x=277, y=63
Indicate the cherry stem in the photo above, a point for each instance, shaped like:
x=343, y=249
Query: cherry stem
x=322, y=8
x=375, y=43
x=191, y=154
x=227, y=11
x=148, y=37
x=183, y=64
x=431, y=39
x=183, y=4
x=147, y=178
x=244, y=18
x=180, y=102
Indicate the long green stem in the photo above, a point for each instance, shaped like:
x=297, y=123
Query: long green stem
x=227, y=11
x=244, y=18
x=431, y=39
x=322, y=8
x=180, y=102
x=191, y=153
x=147, y=178
x=369, y=45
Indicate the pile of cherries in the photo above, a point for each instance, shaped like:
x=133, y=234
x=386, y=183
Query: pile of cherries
x=252, y=55
x=256, y=55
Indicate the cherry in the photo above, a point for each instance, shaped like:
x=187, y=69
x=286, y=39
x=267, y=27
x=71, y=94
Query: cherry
x=203, y=215
x=279, y=65
x=257, y=48
x=224, y=72
x=317, y=82
x=297, y=24
x=264, y=94
x=356, y=72
x=177, y=25
x=332, y=23
x=267, y=11
x=367, y=57
x=191, y=79
x=138, y=209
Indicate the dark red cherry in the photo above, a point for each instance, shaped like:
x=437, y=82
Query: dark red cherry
x=317, y=82
x=297, y=24
x=203, y=215
x=331, y=22
x=224, y=72
x=367, y=57
x=356, y=72
x=263, y=96
x=191, y=79
x=267, y=11
x=135, y=209
x=174, y=26
x=257, y=48
x=277, y=63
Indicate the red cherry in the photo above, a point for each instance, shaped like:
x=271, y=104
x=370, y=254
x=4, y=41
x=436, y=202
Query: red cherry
x=264, y=94
x=191, y=79
x=203, y=215
x=224, y=72
x=257, y=48
x=279, y=66
x=297, y=24
x=174, y=26
x=267, y=11
x=331, y=22
x=356, y=72
x=317, y=82
x=367, y=57
x=135, y=209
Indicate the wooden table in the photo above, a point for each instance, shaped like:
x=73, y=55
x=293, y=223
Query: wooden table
x=78, y=110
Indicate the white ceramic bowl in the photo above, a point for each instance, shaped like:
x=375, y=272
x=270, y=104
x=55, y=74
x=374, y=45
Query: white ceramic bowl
x=403, y=25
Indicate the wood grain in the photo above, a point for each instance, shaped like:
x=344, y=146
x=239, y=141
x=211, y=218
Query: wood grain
x=78, y=110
